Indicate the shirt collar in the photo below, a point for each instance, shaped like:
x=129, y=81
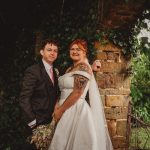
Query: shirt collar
x=46, y=65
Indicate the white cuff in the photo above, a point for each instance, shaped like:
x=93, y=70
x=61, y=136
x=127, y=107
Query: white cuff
x=32, y=123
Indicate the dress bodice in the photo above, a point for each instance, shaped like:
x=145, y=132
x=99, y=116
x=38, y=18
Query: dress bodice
x=66, y=84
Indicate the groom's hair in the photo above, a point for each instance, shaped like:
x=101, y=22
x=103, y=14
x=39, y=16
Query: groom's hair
x=48, y=41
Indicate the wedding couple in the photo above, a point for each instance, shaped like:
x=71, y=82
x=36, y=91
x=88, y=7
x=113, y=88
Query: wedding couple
x=80, y=125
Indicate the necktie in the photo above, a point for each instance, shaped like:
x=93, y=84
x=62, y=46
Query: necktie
x=51, y=74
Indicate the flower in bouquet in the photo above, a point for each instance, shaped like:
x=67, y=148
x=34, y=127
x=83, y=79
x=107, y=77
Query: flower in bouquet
x=42, y=135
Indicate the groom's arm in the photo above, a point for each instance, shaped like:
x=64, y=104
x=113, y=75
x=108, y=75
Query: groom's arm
x=28, y=86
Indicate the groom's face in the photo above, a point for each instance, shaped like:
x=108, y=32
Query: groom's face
x=49, y=53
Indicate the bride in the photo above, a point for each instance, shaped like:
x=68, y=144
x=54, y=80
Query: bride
x=81, y=125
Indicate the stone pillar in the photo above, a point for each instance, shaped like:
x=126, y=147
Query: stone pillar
x=114, y=87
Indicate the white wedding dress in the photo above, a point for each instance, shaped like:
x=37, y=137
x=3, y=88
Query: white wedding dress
x=77, y=129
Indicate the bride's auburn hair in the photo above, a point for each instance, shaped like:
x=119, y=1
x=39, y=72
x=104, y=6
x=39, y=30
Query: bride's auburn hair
x=82, y=44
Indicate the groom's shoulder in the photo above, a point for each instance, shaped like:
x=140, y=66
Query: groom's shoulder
x=35, y=68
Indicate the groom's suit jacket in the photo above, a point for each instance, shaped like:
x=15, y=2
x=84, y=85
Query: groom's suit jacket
x=38, y=94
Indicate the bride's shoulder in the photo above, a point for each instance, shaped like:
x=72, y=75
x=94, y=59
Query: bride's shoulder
x=84, y=67
x=68, y=70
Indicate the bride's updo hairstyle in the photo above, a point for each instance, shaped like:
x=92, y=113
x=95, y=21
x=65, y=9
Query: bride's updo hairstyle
x=81, y=44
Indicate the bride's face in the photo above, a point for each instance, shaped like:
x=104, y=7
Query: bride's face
x=77, y=54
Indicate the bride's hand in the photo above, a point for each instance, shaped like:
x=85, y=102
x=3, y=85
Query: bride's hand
x=96, y=66
x=58, y=114
x=56, y=106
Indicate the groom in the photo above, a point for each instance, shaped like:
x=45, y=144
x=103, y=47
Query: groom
x=40, y=90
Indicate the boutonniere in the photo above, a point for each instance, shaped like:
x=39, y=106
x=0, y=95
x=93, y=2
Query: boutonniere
x=57, y=72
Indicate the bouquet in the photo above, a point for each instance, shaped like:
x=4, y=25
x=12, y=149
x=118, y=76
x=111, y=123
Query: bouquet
x=42, y=135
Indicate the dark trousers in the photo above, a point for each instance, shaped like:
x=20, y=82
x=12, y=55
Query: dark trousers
x=28, y=146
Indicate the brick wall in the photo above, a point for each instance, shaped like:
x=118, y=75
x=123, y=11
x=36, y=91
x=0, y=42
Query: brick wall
x=114, y=87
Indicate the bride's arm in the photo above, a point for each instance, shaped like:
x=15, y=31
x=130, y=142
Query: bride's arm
x=80, y=83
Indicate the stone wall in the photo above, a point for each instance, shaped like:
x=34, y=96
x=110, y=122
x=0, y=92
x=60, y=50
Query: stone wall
x=114, y=87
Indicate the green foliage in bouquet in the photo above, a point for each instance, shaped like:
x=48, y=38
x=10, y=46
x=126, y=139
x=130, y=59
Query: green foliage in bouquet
x=42, y=135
